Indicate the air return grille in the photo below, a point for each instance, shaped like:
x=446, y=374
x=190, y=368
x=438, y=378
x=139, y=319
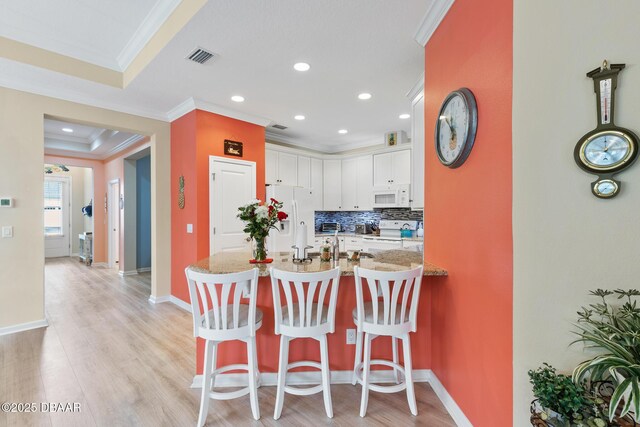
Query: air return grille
x=200, y=55
x=279, y=127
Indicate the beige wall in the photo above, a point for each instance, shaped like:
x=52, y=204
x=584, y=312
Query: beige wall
x=21, y=177
x=566, y=241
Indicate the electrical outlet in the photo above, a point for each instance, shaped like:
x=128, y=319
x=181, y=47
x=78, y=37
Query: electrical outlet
x=351, y=336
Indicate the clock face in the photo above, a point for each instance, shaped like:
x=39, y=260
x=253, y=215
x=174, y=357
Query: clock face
x=607, y=150
x=605, y=188
x=456, y=127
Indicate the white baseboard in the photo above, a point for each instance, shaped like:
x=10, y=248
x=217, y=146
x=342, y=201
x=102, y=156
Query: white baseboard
x=170, y=298
x=128, y=273
x=24, y=327
x=307, y=378
x=451, y=406
x=158, y=300
x=144, y=270
x=100, y=264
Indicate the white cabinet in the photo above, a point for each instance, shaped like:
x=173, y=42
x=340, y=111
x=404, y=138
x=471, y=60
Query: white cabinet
x=357, y=181
x=304, y=172
x=316, y=184
x=332, y=185
x=392, y=168
x=281, y=168
x=417, y=142
x=352, y=243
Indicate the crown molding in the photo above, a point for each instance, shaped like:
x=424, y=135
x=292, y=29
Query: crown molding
x=58, y=92
x=417, y=88
x=147, y=29
x=196, y=104
x=431, y=19
x=123, y=145
x=319, y=148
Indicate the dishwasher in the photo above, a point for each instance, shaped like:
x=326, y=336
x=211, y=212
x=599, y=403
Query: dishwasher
x=369, y=243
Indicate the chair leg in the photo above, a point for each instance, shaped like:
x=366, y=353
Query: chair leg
x=394, y=347
x=358, y=357
x=282, y=375
x=365, y=375
x=214, y=364
x=209, y=348
x=326, y=376
x=408, y=374
x=253, y=386
x=255, y=363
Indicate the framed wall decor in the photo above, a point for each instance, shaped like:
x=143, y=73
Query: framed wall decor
x=232, y=148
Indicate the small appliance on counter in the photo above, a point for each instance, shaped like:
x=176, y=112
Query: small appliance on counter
x=330, y=227
x=363, y=228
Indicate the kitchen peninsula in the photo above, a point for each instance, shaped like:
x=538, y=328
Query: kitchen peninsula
x=341, y=354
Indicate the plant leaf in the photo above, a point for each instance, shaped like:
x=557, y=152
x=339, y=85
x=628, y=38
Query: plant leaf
x=616, y=397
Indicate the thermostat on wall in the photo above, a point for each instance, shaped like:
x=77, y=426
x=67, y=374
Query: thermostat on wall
x=6, y=202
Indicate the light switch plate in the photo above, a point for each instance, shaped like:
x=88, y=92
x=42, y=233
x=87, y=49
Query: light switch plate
x=7, y=231
x=189, y=228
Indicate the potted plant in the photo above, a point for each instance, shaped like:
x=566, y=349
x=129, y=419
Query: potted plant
x=561, y=402
x=616, y=330
x=259, y=218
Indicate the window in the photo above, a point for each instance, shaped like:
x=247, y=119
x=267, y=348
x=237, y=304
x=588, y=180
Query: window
x=53, y=218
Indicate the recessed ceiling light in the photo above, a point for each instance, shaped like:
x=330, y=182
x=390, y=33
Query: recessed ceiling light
x=364, y=96
x=68, y=130
x=301, y=66
x=237, y=98
x=342, y=131
x=404, y=116
x=299, y=117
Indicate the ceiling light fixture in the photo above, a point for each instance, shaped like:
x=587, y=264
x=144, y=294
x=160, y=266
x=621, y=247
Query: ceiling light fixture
x=68, y=130
x=404, y=116
x=301, y=66
x=342, y=131
x=299, y=117
x=237, y=98
x=364, y=96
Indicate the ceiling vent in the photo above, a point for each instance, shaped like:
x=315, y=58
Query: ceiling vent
x=279, y=127
x=200, y=55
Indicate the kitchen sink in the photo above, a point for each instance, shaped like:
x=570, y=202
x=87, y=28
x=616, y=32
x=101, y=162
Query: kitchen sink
x=343, y=255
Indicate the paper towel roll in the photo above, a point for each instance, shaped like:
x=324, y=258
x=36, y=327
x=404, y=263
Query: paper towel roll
x=301, y=239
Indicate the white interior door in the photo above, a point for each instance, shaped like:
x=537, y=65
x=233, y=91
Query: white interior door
x=233, y=184
x=57, y=218
x=113, y=207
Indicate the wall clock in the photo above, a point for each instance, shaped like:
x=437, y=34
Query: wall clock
x=608, y=149
x=456, y=127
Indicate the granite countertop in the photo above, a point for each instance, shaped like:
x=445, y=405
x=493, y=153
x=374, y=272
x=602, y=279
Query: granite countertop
x=383, y=260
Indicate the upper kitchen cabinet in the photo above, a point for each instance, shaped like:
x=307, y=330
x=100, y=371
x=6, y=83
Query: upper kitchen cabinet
x=304, y=171
x=417, y=141
x=332, y=185
x=392, y=168
x=357, y=182
x=317, y=184
x=281, y=168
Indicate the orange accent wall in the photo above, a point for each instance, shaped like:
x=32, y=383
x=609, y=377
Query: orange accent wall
x=468, y=226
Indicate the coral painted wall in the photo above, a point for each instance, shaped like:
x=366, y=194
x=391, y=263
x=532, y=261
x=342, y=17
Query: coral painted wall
x=469, y=226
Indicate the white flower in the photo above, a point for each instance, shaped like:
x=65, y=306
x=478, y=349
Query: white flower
x=262, y=212
x=252, y=202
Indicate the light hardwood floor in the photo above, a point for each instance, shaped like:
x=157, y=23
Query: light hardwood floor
x=130, y=363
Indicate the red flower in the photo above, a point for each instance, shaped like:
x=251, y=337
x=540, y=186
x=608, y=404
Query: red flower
x=282, y=216
x=273, y=200
x=271, y=208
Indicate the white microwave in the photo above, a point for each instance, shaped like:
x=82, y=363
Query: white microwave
x=396, y=196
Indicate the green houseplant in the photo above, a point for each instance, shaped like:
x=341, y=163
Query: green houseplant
x=616, y=330
x=558, y=393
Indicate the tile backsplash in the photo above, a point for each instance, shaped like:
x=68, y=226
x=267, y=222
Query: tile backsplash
x=349, y=219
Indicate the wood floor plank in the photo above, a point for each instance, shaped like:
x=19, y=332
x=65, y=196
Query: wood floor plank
x=130, y=363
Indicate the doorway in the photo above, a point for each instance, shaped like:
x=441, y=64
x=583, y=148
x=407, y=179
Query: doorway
x=233, y=184
x=113, y=211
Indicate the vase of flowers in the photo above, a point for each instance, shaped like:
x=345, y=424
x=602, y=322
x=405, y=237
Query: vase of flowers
x=259, y=218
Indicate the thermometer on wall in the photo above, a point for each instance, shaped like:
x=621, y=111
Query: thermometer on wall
x=605, y=101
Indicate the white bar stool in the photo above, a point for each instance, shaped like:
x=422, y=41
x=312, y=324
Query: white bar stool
x=224, y=317
x=309, y=313
x=392, y=312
